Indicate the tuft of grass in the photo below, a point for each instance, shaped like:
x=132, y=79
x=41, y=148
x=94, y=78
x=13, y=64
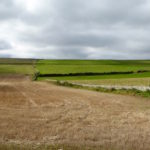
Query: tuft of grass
x=35, y=75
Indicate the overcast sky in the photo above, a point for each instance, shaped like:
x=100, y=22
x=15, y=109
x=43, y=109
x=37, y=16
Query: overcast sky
x=75, y=29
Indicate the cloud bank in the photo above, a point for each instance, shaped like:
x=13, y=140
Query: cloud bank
x=75, y=29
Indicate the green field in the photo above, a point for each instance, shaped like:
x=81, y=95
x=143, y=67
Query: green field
x=16, y=61
x=94, y=66
x=65, y=67
x=60, y=67
x=16, y=69
x=17, y=66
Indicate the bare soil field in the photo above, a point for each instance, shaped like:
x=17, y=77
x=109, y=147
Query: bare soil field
x=43, y=113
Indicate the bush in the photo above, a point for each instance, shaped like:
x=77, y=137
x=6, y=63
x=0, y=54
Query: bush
x=35, y=75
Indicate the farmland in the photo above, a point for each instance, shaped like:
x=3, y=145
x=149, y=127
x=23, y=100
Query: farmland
x=39, y=114
x=42, y=115
x=94, y=66
x=78, y=70
x=16, y=66
x=106, y=72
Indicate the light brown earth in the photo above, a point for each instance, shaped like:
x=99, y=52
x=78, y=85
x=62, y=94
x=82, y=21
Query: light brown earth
x=38, y=112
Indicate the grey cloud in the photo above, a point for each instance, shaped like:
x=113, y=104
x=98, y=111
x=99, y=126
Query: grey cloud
x=71, y=53
x=112, y=28
x=102, y=12
x=4, y=45
x=8, y=10
x=5, y=55
x=60, y=52
x=74, y=39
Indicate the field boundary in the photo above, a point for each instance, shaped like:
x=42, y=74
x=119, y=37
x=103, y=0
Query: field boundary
x=91, y=73
x=132, y=90
x=118, y=87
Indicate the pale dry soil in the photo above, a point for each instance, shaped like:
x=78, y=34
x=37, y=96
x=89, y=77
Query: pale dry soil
x=43, y=113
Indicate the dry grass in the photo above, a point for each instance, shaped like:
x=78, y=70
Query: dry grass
x=123, y=82
x=41, y=113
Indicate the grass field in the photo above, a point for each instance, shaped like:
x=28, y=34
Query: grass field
x=61, y=67
x=97, y=66
x=16, y=69
x=16, y=61
x=16, y=66
x=83, y=66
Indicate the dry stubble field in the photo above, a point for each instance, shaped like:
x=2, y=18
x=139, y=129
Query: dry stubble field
x=43, y=113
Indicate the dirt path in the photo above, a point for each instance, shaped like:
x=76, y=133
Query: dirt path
x=38, y=112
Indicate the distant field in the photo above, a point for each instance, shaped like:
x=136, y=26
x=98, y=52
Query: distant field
x=94, y=66
x=16, y=61
x=16, y=69
x=16, y=66
x=62, y=67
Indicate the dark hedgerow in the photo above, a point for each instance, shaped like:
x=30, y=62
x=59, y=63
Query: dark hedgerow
x=35, y=76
